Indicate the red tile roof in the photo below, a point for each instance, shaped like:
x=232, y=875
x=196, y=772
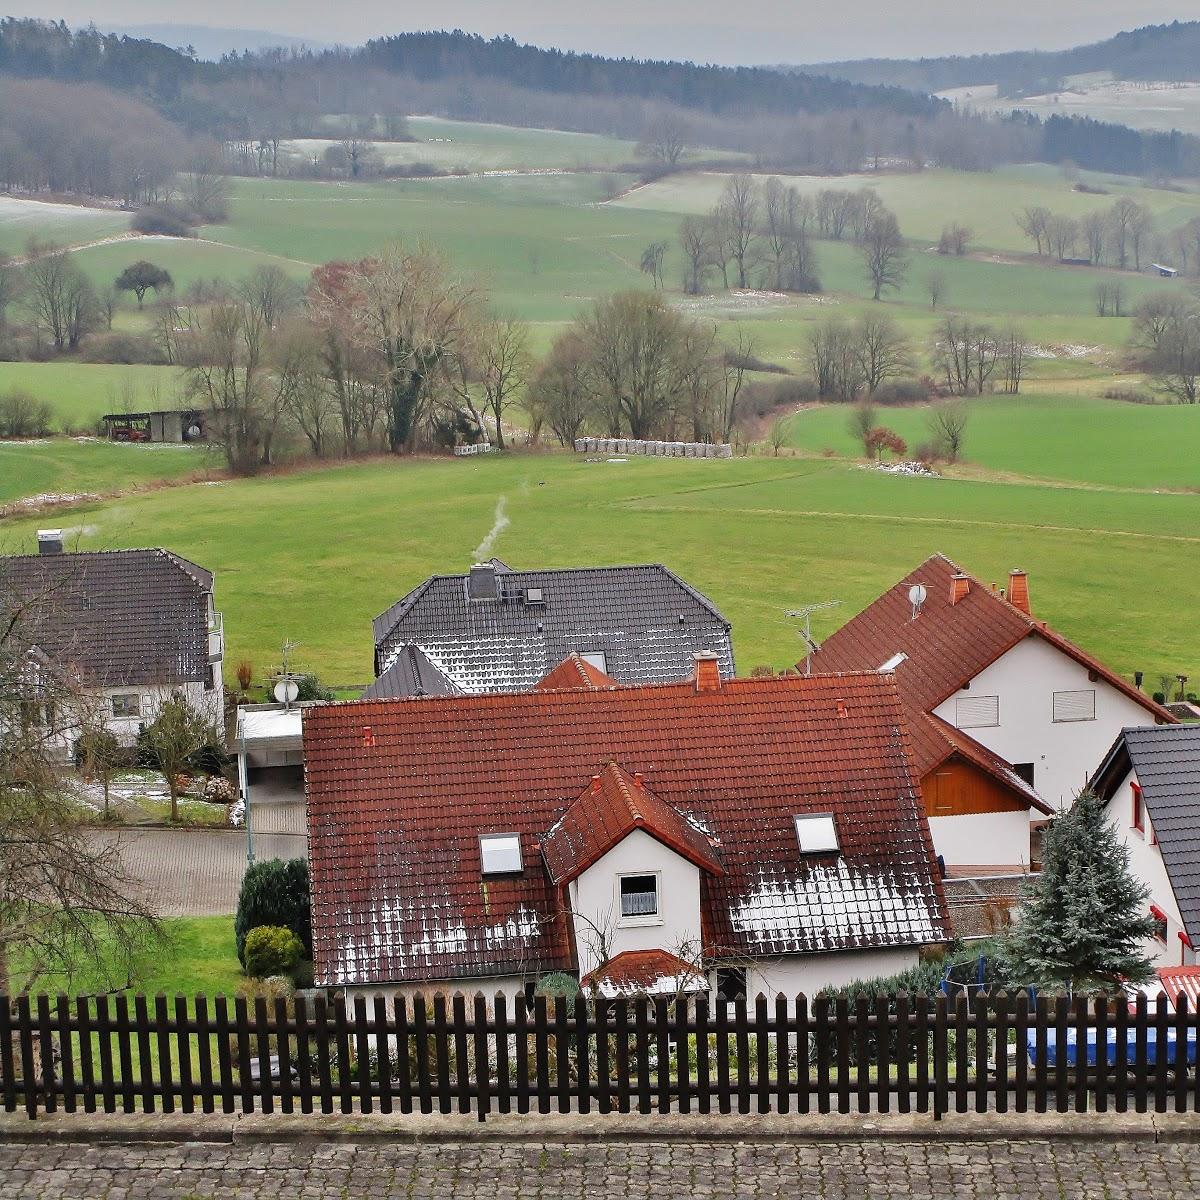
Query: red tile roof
x=400, y=791
x=610, y=808
x=574, y=672
x=645, y=973
x=946, y=645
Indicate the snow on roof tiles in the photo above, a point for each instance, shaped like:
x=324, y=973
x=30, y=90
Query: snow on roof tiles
x=399, y=794
x=646, y=621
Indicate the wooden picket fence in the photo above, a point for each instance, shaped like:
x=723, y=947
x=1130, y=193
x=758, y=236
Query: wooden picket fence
x=472, y=1055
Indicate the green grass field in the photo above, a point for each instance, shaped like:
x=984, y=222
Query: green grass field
x=313, y=556
x=926, y=201
x=1074, y=438
x=79, y=394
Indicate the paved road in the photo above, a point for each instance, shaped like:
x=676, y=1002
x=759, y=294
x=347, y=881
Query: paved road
x=616, y=1171
x=196, y=872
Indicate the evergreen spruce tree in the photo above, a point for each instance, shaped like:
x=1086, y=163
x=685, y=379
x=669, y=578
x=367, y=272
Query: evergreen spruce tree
x=1084, y=918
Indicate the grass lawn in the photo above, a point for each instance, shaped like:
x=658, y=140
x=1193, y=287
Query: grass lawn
x=325, y=551
x=198, y=954
x=69, y=224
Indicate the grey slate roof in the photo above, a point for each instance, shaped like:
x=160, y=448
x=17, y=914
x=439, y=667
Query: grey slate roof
x=1166, y=760
x=121, y=617
x=646, y=621
x=411, y=674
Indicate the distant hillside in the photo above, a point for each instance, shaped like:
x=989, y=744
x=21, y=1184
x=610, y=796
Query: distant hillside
x=211, y=42
x=716, y=90
x=1166, y=52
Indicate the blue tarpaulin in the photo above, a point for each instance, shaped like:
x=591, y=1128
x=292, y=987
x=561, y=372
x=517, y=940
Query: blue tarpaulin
x=1070, y=1048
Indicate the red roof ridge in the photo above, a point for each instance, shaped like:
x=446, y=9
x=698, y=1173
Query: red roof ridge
x=612, y=806
x=573, y=674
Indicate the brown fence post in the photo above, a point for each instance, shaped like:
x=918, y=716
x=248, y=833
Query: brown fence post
x=87, y=1073
x=162, y=1039
x=29, y=1071
x=783, y=1068
x=803, y=1065
x=483, y=1059
x=941, y=1055
x=582, y=1056
x=503, y=1080
x=462, y=1065
x=762, y=1043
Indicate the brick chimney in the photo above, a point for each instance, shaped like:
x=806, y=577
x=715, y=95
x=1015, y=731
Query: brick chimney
x=708, y=671
x=1018, y=589
x=50, y=541
x=960, y=586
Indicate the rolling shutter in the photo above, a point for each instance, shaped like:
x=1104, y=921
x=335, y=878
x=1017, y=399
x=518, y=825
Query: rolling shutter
x=1075, y=706
x=977, y=712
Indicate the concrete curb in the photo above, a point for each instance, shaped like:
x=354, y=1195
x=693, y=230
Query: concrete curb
x=560, y=1129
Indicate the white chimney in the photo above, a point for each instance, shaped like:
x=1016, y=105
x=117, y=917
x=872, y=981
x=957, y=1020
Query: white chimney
x=50, y=541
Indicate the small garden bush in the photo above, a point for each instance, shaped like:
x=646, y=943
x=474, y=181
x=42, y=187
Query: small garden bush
x=271, y=950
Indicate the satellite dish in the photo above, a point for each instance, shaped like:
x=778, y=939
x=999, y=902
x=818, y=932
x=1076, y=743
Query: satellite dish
x=286, y=691
x=916, y=597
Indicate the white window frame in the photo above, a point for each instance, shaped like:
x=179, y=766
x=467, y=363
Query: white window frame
x=126, y=716
x=505, y=868
x=1057, y=720
x=822, y=830
x=640, y=919
x=969, y=700
x=595, y=658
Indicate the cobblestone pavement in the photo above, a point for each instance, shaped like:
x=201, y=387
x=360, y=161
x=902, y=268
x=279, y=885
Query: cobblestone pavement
x=1028, y=1170
x=196, y=872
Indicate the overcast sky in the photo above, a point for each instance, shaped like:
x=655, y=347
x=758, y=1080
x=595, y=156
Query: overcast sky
x=748, y=31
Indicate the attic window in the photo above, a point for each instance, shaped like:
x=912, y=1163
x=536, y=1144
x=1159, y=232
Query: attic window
x=977, y=712
x=535, y=596
x=1075, y=706
x=500, y=853
x=595, y=658
x=892, y=663
x=817, y=833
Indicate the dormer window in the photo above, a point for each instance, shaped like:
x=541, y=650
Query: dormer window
x=817, y=833
x=639, y=895
x=500, y=853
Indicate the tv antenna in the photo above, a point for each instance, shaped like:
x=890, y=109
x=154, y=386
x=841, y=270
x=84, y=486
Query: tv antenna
x=805, y=614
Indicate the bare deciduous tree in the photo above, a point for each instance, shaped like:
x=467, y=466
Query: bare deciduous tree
x=665, y=140
x=737, y=217
x=695, y=238
x=881, y=348
x=1033, y=222
x=948, y=425
x=652, y=262
x=67, y=901
x=883, y=254
x=935, y=288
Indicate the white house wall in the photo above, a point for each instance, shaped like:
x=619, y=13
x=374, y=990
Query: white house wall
x=806, y=974
x=1145, y=860
x=596, y=903
x=982, y=839
x=512, y=987
x=1064, y=753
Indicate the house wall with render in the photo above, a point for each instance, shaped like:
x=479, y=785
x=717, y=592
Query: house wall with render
x=806, y=974
x=1064, y=753
x=1146, y=863
x=596, y=903
x=982, y=839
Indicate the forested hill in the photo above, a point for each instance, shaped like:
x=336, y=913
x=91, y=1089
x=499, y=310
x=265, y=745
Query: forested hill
x=1166, y=52
x=717, y=90
x=39, y=49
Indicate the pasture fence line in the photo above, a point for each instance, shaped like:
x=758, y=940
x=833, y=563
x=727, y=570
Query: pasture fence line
x=468, y=1054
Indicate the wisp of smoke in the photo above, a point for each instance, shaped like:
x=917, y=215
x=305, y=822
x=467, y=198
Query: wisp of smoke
x=500, y=523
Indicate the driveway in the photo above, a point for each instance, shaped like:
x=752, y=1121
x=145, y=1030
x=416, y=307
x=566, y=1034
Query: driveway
x=196, y=872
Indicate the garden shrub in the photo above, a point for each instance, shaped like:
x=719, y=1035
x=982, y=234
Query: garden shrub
x=275, y=892
x=271, y=950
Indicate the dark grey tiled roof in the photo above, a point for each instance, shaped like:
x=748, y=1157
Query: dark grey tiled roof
x=1166, y=760
x=646, y=621
x=411, y=674
x=121, y=617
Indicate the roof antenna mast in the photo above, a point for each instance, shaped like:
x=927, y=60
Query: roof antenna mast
x=805, y=614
